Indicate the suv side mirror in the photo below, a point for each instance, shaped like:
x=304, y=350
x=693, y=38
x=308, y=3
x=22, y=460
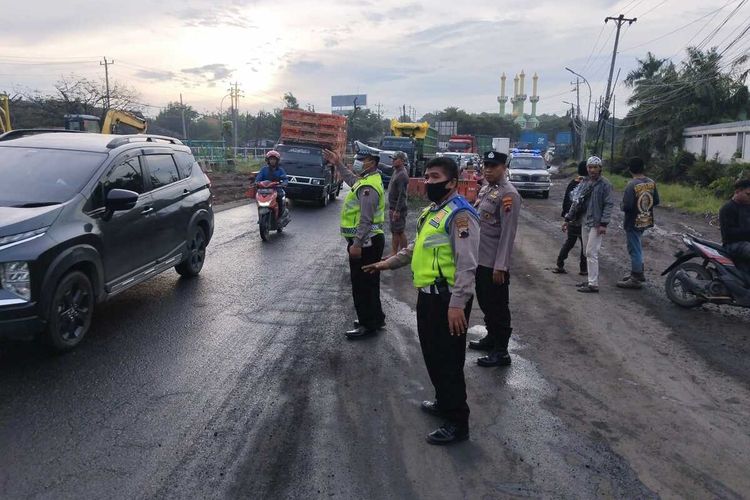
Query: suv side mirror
x=121, y=199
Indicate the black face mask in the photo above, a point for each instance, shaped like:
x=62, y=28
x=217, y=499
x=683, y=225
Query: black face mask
x=437, y=191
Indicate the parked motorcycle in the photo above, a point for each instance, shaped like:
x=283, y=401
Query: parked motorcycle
x=715, y=280
x=271, y=217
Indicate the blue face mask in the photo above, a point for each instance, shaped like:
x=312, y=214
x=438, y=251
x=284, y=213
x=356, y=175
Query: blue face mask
x=358, y=167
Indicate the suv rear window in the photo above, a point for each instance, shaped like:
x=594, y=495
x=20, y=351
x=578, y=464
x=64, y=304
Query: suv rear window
x=162, y=170
x=44, y=176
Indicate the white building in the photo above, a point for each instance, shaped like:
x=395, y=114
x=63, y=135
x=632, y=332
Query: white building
x=722, y=140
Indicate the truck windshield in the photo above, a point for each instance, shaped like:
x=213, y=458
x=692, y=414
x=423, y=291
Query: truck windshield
x=397, y=144
x=528, y=163
x=33, y=176
x=458, y=146
x=300, y=155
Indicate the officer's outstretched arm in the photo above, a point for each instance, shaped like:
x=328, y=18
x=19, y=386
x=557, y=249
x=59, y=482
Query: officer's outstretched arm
x=401, y=259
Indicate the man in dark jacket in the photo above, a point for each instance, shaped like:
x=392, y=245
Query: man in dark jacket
x=638, y=202
x=573, y=228
x=734, y=220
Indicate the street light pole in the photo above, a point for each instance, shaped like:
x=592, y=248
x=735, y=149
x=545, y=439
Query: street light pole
x=582, y=153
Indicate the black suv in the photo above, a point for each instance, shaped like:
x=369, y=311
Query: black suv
x=84, y=217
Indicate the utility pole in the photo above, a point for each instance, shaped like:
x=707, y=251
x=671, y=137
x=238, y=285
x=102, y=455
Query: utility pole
x=620, y=20
x=379, y=108
x=614, y=102
x=234, y=92
x=182, y=109
x=106, y=64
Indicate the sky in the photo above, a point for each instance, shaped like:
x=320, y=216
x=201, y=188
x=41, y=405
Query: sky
x=425, y=55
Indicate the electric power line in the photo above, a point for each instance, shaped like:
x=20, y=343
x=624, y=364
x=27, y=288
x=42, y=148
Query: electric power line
x=681, y=27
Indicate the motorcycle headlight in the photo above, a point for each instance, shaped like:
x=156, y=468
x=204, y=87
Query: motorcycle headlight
x=16, y=279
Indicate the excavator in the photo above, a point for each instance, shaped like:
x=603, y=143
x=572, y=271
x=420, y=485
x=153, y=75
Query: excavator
x=109, y=125
x=4, y=114
x=84, y=123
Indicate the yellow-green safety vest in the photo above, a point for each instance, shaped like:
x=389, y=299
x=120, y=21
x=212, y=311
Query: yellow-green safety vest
x=350, y=214
x=433, y=254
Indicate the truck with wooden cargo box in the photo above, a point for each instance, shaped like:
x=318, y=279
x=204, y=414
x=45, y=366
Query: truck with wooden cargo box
x=304, y=135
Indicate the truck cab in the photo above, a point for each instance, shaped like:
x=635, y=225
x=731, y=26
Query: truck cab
x=405, y=144
x=311, y=178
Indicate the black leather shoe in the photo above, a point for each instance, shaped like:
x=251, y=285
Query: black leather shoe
x=359, y=333
x=381, y=326
x=448, y=434
x=496, y=358
x=483, y=344
x=431, y=407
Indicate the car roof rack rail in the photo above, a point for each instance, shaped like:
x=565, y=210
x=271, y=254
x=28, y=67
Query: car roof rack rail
x=126, y=139
x=23, y=132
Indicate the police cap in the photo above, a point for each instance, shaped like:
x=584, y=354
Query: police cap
x=495, y=158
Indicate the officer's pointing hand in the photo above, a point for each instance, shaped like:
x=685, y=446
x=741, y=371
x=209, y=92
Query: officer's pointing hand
x=375, y=268
x=457, y=321
x=331, y=156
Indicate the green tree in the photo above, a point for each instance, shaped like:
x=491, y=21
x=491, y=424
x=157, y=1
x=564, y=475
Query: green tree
x=170, y=118
x=667, y=98
x=290, y=101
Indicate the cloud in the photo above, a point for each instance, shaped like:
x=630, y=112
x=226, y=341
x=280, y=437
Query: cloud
x=306, y=67
x=230, y=16
x=159, y=76
x=211, y=72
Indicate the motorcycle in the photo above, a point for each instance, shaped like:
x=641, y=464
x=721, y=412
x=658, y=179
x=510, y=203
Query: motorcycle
x=717, y=280
x=271, y=217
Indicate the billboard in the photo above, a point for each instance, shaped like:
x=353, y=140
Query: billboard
x=347, y=101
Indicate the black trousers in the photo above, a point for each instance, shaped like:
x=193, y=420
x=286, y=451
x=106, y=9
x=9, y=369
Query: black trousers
x=494, y=300
x=366, y=287
x=444, y=356
x=574, y=235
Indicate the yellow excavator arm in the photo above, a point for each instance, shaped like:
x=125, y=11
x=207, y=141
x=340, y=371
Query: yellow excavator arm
x=115, y=117
x=4, y=114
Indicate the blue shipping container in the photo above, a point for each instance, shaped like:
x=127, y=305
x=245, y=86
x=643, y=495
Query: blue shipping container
x=563, y=138
x=534, y=140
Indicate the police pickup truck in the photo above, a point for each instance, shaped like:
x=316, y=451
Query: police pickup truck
x=528, y=172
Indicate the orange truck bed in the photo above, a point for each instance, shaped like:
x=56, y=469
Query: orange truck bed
x=306, y=127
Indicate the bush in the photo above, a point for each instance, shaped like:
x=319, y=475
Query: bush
x=702, y=173
x=676, y=169
x=723, y=188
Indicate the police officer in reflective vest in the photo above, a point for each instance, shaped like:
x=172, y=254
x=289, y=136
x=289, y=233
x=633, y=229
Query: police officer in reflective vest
x=443, y=262
x=362, y=219
x=499, y=205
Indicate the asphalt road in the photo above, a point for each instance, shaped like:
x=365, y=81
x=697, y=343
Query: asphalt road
x=239, y=384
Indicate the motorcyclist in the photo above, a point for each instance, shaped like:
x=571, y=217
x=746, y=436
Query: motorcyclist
x=274, y=173
x=734, y=220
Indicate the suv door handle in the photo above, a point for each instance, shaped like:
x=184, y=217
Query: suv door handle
x=147, y=210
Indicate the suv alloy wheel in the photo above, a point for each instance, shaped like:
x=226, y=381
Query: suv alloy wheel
x=192, y=266
x=70, y=312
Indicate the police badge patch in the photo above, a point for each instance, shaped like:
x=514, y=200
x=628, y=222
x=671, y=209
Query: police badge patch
x=462, y=225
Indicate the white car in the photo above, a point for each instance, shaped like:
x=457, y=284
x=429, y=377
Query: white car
x=463, y=159
x=528, y=172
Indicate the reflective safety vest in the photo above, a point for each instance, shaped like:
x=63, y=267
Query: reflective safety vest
x=350, y=214
x=433, y=253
